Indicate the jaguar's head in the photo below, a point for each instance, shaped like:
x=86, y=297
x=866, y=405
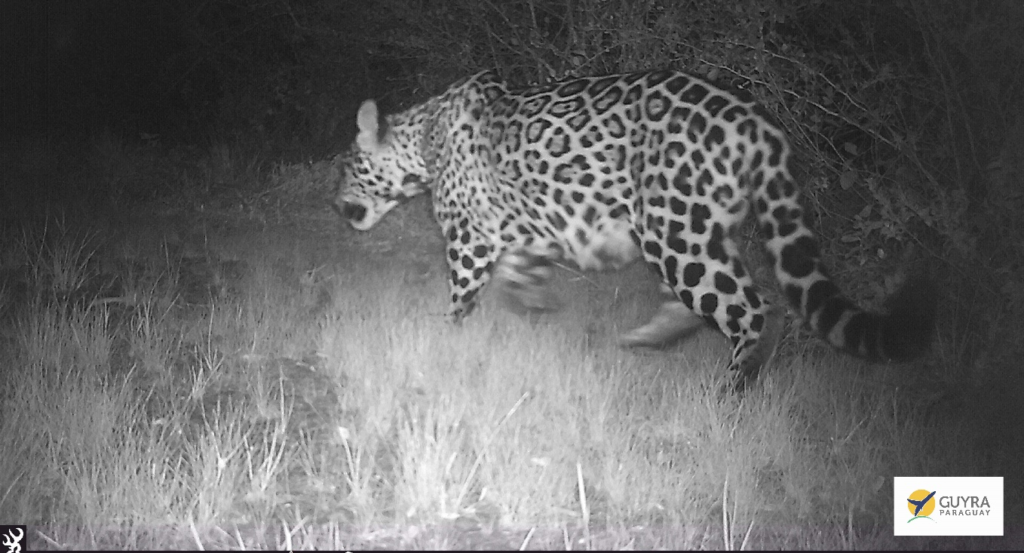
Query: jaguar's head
x=379, y=171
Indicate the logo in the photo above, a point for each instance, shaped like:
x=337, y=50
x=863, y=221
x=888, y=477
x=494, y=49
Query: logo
x=11, y=536
x=921, y=503
x=948, y=506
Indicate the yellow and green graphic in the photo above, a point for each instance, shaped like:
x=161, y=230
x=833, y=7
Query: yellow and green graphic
x=921, y=503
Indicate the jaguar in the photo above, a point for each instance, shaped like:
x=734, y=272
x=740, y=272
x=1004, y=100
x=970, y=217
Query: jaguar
x=601, y=171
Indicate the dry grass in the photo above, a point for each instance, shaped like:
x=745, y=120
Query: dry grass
x=276, y=389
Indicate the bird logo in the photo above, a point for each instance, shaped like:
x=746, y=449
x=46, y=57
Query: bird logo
x=921, y=503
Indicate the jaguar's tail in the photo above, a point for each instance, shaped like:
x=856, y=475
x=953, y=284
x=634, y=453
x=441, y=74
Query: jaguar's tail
x=899, y=335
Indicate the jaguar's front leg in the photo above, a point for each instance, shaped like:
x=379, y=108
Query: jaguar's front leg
x=471, y=258
x=522, y=276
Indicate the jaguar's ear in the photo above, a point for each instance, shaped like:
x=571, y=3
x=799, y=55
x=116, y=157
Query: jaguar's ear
x=368, y=121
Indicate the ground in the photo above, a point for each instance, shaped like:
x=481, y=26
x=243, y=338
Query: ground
x=273, y=366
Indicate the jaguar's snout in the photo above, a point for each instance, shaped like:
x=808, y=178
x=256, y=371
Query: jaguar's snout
x=354, y=212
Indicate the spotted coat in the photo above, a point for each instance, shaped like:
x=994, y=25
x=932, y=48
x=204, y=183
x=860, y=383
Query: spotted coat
x=600, y=171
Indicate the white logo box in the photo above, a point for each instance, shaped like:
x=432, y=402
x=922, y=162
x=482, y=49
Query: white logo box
x=948, y=506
